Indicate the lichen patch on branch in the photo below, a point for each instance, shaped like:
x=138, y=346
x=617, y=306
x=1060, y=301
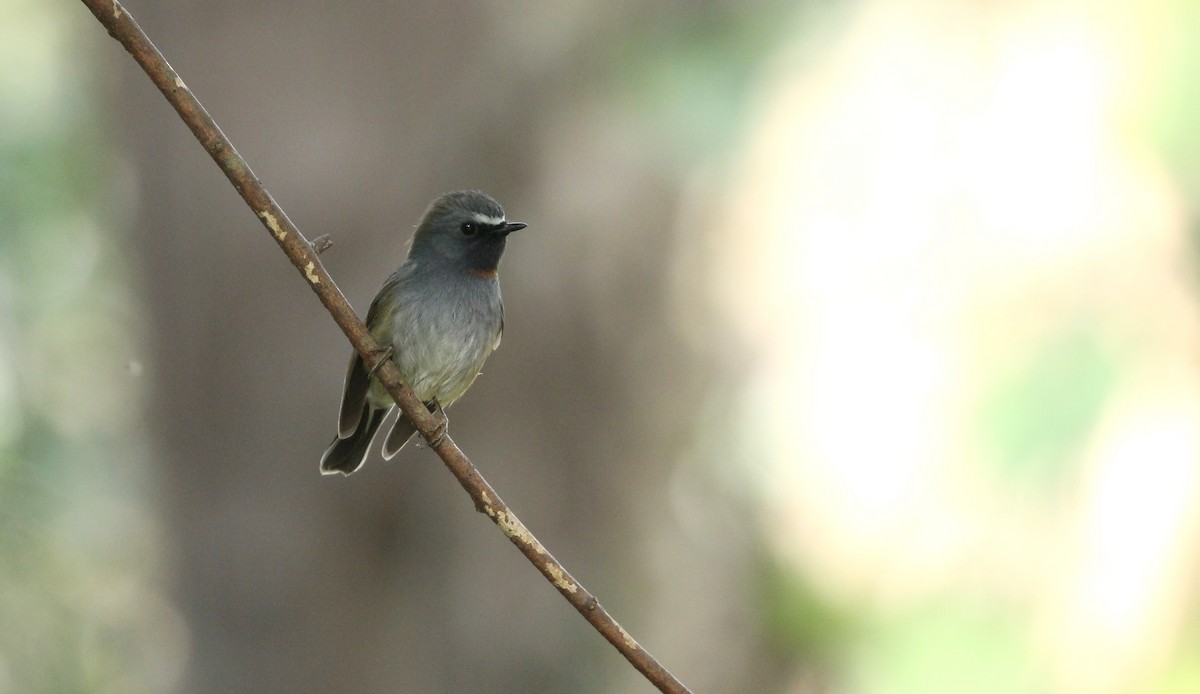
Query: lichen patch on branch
x=514, y=528
x=560, y=579
x=273, y=225
x=308, y=272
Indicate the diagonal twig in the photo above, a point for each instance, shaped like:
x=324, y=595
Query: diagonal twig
x=122, y=27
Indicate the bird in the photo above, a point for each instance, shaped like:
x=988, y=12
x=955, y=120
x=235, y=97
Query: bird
x=439, y=316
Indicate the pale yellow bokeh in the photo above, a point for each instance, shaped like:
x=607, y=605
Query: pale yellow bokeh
x=944, y=190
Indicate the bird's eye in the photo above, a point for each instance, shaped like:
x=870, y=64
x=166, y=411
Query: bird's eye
x=468, y=228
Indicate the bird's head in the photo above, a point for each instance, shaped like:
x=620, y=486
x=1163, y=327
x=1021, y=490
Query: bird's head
x=465, y=229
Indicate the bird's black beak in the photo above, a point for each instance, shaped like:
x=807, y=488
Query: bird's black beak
x=510, y=227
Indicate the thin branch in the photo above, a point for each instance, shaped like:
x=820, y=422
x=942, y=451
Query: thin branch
x=122, y=27
x=322, y=243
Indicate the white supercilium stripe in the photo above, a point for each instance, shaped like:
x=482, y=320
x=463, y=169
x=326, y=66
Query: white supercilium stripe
x=488, y=219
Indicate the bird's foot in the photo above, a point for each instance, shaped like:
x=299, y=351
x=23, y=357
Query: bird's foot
x=443, y=426
x=385, y=354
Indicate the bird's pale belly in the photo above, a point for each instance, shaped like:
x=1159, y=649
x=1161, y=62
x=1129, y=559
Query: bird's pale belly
x=439, y=365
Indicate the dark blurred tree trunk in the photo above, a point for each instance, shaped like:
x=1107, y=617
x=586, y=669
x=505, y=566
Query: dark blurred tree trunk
x=388, y=581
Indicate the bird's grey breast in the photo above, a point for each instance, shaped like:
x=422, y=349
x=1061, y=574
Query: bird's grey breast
x=445, y=328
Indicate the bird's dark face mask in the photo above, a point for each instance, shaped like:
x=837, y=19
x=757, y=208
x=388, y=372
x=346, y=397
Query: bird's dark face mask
x=485, y=245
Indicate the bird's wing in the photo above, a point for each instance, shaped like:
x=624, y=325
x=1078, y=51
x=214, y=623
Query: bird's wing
x=388, y=288
x=354, y=394
x=500, y=330
x=354, y=397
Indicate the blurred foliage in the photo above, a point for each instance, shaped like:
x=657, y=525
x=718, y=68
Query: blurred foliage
x=77, y=549
x=1007, y=512
x=1182, y=676
x=1175, y=100
x=952, y=645
x=1035, y=417
x=799, y=623
x=692, y=74
x=955, y=643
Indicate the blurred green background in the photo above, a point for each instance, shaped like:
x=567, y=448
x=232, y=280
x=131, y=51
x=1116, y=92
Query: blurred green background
x=852, y=347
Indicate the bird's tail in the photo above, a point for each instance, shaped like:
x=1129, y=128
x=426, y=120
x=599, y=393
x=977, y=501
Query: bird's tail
x=347, y=455
x=402, y=430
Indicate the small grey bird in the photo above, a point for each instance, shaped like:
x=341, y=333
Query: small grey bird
x=438, y=317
